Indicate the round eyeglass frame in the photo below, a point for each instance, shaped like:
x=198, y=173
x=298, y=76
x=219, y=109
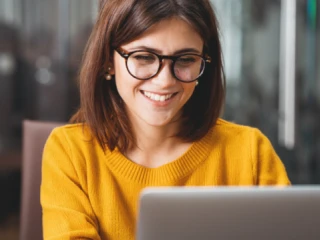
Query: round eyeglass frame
x=126, y=55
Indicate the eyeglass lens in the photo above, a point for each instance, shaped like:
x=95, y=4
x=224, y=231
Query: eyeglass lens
x=144, y=65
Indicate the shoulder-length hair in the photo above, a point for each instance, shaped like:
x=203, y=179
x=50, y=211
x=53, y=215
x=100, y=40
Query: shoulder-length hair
x=121, y=21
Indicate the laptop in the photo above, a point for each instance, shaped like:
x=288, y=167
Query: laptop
x=227, y=213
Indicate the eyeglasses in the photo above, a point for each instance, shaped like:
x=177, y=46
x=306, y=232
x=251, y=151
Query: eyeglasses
x=144, y=65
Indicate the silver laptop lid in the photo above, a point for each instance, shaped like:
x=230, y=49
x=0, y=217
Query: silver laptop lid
x=226, y=213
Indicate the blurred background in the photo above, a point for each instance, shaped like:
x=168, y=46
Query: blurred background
x=271, y=54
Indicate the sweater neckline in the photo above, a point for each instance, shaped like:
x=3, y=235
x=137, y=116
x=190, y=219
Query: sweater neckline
x=172, y=171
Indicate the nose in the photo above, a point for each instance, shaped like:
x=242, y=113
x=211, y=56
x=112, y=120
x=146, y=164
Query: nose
x=165, y=77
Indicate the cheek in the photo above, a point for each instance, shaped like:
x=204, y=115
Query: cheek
x=121, y=73
x=188, y=90
x=122, y=78
x=127, y=86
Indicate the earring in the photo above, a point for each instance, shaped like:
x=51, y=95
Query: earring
x=197, y=83
x=108, y=76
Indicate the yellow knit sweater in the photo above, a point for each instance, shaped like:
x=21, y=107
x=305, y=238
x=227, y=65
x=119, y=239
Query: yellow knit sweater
x=90, y=194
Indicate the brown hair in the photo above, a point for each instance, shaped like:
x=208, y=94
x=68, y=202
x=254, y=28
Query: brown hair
x=119, y=22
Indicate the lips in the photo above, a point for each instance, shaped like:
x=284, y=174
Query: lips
x=158, y=97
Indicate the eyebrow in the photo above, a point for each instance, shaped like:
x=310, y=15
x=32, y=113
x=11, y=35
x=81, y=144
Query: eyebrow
x=181, y=51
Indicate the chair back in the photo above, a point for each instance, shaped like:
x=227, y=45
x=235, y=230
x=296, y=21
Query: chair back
x=35, y=134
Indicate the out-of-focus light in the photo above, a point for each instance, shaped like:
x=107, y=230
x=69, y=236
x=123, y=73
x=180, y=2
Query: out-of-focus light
x=7, y=64
x=312, y=12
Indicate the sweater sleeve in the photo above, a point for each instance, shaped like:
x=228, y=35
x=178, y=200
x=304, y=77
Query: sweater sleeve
x=267, y=166
x=67, y=212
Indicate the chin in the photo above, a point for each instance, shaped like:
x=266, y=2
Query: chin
x=158, y=122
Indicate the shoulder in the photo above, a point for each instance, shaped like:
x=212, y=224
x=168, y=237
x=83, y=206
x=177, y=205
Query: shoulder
x=71, y=130
x=229, y=131
x=72, y=138
x=240, y=143
x=73, y=150
x=240, y=138
x=227, y=125
x=72, y=133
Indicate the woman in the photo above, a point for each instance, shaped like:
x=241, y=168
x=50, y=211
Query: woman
x=152, y=90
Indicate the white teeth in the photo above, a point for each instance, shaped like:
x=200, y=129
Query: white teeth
x=162, y=98
x=157, y=97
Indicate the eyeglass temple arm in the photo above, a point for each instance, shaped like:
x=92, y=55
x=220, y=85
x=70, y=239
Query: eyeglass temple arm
x=207, y=58
x=122, y=53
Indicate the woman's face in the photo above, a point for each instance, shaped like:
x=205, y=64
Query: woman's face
x=159, y=100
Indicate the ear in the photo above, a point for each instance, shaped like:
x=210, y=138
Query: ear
x=109, y=68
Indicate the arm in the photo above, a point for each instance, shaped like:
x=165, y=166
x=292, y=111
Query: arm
x=67, y=212
x=267, y=166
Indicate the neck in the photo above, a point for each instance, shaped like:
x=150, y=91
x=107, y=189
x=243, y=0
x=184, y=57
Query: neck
x=151, y=138
x=156, y=145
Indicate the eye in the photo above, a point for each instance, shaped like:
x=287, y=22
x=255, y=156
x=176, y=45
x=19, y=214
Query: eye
x=187, y=60
x=145, y=57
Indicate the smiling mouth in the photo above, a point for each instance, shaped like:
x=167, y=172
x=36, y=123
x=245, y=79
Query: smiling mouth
x=158, y=97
